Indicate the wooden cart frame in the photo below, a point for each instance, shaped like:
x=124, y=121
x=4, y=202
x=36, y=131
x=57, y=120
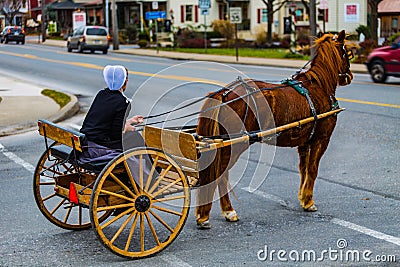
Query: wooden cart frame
x=138, y=202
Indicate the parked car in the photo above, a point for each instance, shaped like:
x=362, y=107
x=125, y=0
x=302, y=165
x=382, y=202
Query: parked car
x=89, y=38
x=384, y=61
x=13, y=34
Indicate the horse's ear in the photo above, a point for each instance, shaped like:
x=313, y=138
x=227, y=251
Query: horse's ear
x=342, y=36
x=320, y=34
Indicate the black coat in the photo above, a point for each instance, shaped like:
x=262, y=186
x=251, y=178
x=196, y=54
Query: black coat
x=104, y=121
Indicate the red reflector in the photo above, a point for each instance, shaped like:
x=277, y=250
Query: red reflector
x=73, y=196
x=39, y=124
x=56, y=189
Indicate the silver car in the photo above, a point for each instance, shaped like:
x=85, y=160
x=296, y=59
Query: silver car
x=89, y=38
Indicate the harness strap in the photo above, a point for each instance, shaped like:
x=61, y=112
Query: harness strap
x=304, y=92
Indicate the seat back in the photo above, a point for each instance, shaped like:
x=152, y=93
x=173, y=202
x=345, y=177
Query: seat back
x=65, y=136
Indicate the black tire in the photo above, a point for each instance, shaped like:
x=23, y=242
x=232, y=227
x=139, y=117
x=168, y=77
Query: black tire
x=69, y=48
x=378, y=72
x=6, y=40
x=80, y=48
x=23, y=41
x=105, y=51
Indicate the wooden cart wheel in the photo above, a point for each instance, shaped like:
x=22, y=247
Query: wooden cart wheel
x=56, y=209
x=150, y=196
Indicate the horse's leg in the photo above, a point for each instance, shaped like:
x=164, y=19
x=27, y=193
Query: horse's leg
x=226, y=207
x=205, y=196
x=304, y=153
x=317, y=149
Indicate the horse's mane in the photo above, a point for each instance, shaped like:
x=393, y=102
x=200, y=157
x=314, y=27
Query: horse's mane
x=325, y=66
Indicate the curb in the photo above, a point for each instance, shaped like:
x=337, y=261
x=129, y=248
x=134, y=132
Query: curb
x=66, y=112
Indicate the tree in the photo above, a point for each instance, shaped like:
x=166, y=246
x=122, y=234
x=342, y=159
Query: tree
x=10, y=8
x=271, y=9
x=373, y=4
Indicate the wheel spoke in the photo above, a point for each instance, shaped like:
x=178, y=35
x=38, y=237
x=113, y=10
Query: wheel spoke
x=153, y=167
x=141, y=232
x=48, y=197
x=167, y=210
x=128, y=242
x=122, y=227
x=166, y=187
x=141, y=172
x=116, y=195
x=128, y=170
x=152, y=229
x=47, y=183
x=67, y=215
x=115, y=207
x=159, y=179
x=121, y=184
x=164, y=199
x=116, y=218
x=161, y=221
x=58, y=206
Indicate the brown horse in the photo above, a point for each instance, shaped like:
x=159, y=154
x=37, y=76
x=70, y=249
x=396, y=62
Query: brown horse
x=329, y=68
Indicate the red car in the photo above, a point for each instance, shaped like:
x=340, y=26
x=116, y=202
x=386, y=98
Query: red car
x=384, y=62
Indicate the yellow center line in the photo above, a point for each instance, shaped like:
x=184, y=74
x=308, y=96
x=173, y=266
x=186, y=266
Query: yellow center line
x=174, y=77
x=368, y=103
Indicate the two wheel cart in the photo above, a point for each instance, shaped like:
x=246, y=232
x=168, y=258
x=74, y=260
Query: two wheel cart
x=135, y=211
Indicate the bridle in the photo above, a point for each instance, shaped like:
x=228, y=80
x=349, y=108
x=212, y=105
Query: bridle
x=347, y=55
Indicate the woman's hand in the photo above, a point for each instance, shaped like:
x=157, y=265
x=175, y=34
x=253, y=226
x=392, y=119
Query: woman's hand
x=131, y=122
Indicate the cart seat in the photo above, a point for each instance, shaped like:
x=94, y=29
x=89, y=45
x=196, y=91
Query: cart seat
x=64, y=152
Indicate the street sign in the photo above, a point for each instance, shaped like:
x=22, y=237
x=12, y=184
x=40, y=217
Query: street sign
x=235, y=15
x=204, y=11
x=155, y=5
x=287, y=25
x=156, y=15
x=323, y=4
x=204, y=4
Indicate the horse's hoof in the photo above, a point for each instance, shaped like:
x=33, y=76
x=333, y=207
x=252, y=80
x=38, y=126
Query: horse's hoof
x=230, y=216
x=313, y=208
x=204, y=225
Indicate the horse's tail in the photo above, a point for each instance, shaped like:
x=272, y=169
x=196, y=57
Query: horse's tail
x=210, y=163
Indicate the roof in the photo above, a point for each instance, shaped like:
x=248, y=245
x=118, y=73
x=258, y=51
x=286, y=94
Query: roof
x=64, y=4
x=389, y=6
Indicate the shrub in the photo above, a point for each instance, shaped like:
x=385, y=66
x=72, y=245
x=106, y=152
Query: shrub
x=366, y=30
x=142, y=43
x=193, y=43
x=226, y=28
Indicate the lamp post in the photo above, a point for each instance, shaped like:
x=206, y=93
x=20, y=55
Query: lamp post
x=114, y=22
x=43, y=3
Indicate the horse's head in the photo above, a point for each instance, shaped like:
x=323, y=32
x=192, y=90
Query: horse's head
x=345, y=74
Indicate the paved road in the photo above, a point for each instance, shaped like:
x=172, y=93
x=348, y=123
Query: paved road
x=357, y=190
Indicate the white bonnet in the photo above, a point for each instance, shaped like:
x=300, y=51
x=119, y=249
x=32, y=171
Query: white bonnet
x=114, y=76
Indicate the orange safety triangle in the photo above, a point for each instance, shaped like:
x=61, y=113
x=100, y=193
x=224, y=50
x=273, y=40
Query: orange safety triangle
x=73, y=196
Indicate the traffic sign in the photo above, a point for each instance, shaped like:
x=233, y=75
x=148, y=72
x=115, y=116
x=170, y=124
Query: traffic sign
x=204, y=11
x=323, y=4
x=204, y=4
x=156, y=15
x=235, y=15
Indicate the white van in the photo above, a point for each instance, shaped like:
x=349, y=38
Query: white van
x=89, y=38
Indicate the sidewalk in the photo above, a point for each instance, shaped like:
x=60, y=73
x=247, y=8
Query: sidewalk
x=23, y=104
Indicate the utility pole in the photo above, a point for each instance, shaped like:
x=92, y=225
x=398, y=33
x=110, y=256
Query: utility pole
x=313, y=24
x=114, y=22
x=43, y=5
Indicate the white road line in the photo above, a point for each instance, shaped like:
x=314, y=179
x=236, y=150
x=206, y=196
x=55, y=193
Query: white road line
x=174, y=261
x=367, y=231
x=16, y=159
x=349, y=225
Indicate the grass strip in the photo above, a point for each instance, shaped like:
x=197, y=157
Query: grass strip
x=60, y=98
